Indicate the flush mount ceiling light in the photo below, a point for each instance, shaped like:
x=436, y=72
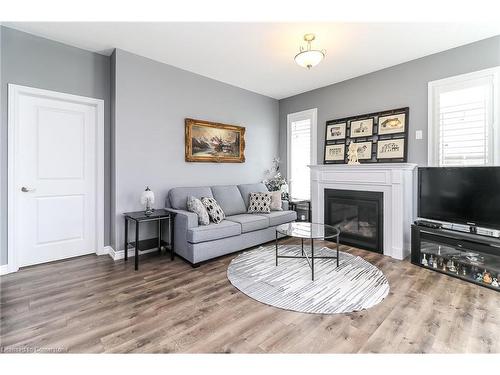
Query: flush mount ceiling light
x=309, y=57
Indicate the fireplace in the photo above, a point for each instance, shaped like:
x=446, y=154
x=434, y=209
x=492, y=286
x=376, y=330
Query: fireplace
x=358, y=215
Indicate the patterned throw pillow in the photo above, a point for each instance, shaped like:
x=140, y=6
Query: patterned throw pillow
x=259, y=203
x=276, y=201
x=195, y=205
x=214, y=210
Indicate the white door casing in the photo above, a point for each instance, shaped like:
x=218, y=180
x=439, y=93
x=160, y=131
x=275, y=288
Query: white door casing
x=56, y=151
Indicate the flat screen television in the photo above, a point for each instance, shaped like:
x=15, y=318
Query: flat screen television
x=462, y=195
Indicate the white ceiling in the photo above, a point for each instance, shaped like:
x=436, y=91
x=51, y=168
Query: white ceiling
x=259, y=56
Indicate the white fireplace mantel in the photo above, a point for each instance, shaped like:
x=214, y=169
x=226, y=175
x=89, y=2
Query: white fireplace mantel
x=396, y=182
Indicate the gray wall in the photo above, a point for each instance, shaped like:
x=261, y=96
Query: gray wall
x=37, y=62
x=152, y=101
x=403, y=85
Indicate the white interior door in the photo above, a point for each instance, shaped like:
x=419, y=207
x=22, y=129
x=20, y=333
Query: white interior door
x=55, y=177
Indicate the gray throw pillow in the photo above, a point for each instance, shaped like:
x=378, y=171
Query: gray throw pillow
x=276, y=201
x=259, y=203
x=214, y=210
x=195, y=205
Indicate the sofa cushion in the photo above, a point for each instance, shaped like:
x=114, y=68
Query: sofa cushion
x=246, y=189
x=213, y=231
x=178, y=196
x=249, y=222
x=215, y=211
x=259, y=203
x=196, y=206
x=229, y=198
x=276, y=202
x=279, y=217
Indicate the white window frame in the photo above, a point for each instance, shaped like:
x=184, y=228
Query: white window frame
x=492, y=74
x=308, y=114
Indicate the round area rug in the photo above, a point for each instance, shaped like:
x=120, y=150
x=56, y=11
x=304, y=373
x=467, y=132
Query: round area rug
x=355, y=285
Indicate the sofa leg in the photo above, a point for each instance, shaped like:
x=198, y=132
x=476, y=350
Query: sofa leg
x=195, y=265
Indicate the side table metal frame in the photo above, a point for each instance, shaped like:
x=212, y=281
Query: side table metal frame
x=170, y=218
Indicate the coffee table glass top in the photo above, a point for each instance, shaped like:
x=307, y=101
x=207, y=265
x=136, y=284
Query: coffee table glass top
x=307, y=230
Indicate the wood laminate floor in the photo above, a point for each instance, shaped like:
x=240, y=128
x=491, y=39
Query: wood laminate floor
x=92, y=304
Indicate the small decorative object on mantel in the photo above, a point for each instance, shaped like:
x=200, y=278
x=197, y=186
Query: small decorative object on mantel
x=381, y=137
x=352, y=154
x=494, y=282
x=148, y=198
x=214, y=142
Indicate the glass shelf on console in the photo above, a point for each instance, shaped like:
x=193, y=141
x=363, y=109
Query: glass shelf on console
x=470, y=265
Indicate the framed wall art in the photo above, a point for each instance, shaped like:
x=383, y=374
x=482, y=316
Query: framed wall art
x=391, y=149
x=361, y=128
x=335, y=131
x=335, y=153
x=364, y=150
x=207, y=141
x=392, y=124
x=382, y=137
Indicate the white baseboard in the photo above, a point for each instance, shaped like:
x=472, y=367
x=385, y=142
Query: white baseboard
x=4, y=269
x=120, y=254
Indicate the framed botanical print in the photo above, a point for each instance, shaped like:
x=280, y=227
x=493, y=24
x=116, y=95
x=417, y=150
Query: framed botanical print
x=207, y=141
x=364, y=150
x=361, y=128
x=335, y=153
x=392, y=124
x=335, y=131
x=391, y=149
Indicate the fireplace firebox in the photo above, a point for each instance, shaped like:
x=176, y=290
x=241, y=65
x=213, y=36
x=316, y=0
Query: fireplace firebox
x=358, y=215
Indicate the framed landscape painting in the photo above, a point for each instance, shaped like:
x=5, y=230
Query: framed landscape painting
x=214, y=142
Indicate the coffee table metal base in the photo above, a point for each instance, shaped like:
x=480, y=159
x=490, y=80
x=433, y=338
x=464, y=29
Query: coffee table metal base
x=309, y=259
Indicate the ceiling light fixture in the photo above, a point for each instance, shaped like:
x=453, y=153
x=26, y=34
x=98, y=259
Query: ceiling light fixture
x=309, y=57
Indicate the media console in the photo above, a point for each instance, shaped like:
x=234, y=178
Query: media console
x=470, y=257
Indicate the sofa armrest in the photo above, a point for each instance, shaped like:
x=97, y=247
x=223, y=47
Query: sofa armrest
x=184, y=218
x=284, y=205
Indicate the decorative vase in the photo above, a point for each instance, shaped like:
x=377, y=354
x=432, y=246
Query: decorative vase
x=424, y=261
x=494, y=282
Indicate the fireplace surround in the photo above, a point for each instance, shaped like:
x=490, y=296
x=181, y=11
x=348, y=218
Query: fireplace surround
x=396, y=182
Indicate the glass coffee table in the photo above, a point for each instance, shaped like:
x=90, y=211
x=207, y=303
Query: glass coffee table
x=311, y=231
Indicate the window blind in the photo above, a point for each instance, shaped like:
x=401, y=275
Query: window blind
x=464, y=130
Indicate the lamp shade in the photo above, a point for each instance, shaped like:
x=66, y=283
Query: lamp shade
x=309, y=58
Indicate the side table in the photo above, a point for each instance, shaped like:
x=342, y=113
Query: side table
x=301, y=206
x=158, y=216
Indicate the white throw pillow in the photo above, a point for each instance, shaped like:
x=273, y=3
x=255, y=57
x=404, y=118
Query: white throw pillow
x=214, y=210
x=195, y=205
x=259, y=203
x=276, y=201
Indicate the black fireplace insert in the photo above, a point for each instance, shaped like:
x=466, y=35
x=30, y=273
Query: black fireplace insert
x=359, y=215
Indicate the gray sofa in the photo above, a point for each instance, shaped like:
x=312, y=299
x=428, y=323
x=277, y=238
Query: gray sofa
x=240, y=230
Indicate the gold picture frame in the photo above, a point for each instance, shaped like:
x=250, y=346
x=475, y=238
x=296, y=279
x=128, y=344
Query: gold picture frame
x=213, y=142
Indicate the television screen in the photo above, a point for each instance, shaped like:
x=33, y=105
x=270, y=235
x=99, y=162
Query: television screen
x=464, y=195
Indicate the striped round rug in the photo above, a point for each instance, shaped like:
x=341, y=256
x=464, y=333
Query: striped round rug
x=353, y=286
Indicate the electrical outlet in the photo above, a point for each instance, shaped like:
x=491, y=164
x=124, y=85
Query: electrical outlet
x=418, y=134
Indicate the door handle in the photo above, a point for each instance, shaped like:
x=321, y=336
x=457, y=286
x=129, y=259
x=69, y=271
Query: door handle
x=24, y=189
